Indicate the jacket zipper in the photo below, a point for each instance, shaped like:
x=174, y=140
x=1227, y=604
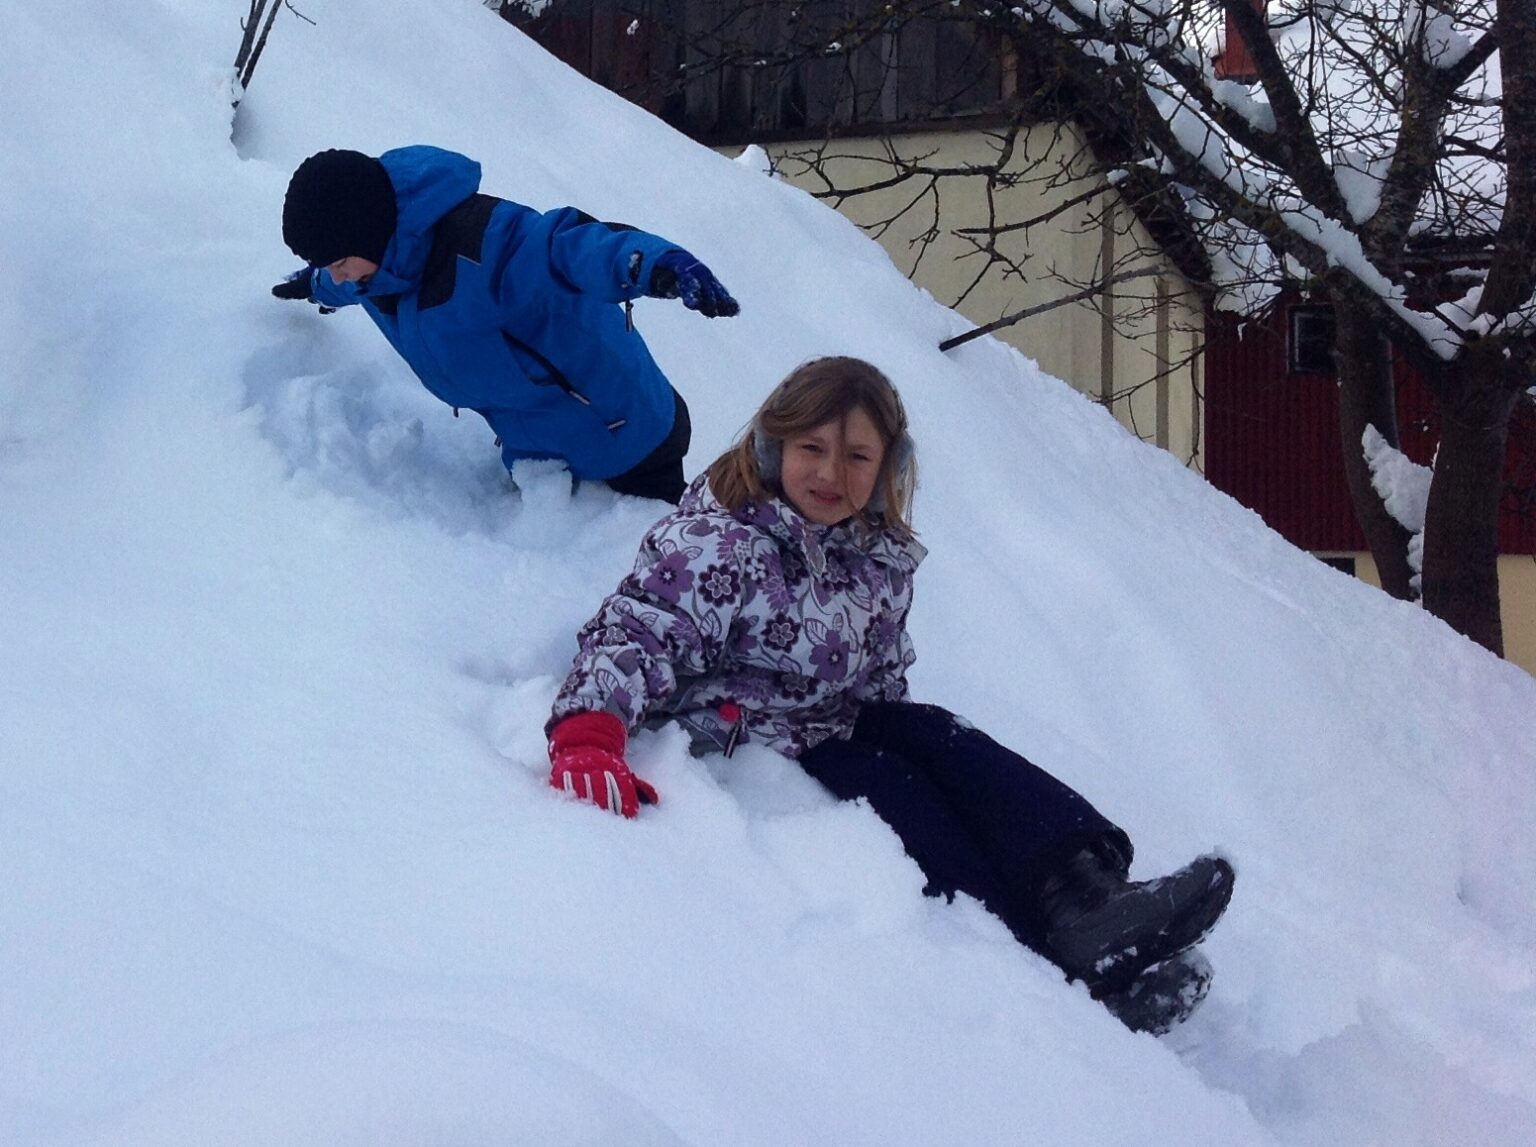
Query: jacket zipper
x=557, y=376
x=731, y=714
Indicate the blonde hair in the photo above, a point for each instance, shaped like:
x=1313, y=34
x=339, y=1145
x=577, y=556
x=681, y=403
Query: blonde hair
x=814, y=393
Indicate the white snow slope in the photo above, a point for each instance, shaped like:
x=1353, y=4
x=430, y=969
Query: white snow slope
x=278, y=862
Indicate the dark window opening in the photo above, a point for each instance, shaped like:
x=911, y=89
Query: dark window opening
x=1309, y=339
x=1343, y=563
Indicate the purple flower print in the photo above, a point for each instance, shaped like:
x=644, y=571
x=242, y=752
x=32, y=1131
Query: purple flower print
x=837, y=576
x=719, y=585
x=830, y=656
x=796, y=625
x=730, y=538
x=796, y=686
x=763, y=515
x=669, y=578
x=794, y=568
x=775, y=592
x=748, y=687
x=883, y=633
x=781, y=632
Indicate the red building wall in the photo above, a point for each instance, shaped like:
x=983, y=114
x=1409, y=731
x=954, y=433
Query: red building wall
x=1272, y=439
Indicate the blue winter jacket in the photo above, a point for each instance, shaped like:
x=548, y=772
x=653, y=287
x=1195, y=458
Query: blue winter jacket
x=512, y=313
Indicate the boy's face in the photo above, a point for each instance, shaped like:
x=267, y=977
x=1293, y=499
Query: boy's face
x=352, y=269
x=829, y=472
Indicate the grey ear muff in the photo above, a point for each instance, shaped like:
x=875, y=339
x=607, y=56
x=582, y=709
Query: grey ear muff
x=902, y=452
x=901, y=456
x=768, y=451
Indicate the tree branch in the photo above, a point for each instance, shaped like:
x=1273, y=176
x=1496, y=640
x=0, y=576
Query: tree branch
x=1042, y=308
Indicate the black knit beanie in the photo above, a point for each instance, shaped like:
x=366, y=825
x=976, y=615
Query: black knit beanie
x=339, y=203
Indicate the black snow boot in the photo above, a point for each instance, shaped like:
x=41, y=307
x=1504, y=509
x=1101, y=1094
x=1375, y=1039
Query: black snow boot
x=1163, y=996
x=1106, y=930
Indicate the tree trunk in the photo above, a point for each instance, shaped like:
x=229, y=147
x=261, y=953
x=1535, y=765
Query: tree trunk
x=1363, y=360
x=1461, y=526
x=248, y=38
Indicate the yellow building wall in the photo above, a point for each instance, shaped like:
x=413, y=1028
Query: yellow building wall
x=1133, y=351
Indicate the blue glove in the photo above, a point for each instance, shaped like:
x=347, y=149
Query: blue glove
x=678, y=275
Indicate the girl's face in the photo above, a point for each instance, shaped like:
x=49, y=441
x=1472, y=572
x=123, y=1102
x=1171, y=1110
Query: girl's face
x=829, y=471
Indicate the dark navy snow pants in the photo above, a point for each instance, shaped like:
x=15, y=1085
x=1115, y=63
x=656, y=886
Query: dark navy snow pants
x=659, y=474
x=975, y=816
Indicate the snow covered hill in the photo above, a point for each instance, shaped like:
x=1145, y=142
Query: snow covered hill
x=277, y=859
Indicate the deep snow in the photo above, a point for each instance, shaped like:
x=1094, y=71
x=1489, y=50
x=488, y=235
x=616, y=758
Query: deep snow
x=278, y=863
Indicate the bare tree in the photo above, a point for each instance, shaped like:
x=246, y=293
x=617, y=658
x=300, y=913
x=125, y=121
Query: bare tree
x=1378, y=160
x=255, y=29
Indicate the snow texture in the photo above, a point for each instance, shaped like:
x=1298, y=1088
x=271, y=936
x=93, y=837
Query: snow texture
x=278, y=859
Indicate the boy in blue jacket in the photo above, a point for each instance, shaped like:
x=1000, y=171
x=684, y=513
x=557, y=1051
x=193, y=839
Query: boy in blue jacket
x=502, y=309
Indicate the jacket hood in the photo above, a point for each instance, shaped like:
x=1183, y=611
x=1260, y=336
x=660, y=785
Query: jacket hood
x=429, y=182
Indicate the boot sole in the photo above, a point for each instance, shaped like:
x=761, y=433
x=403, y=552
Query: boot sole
x=1197, y=895
x=1163, y=996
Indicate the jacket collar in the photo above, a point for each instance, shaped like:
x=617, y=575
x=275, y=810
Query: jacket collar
x=778, y=518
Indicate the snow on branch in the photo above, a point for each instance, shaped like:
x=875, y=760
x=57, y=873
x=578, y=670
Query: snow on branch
x=1404, y=489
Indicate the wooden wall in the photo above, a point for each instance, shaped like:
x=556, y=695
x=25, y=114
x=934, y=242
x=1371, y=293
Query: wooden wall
x=733, y=71
x=1272, y=439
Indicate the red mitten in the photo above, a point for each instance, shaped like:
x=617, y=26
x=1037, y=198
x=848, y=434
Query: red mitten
x=586, y=754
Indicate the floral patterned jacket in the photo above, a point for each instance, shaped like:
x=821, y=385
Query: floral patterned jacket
x=755, y=626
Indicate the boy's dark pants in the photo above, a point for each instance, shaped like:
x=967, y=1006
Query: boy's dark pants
x=659, y=474
x=975, y=816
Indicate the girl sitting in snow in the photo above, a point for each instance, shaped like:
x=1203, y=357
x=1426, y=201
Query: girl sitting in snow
x=771, y=608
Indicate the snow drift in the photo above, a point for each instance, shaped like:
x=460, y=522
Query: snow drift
x=277, y=858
